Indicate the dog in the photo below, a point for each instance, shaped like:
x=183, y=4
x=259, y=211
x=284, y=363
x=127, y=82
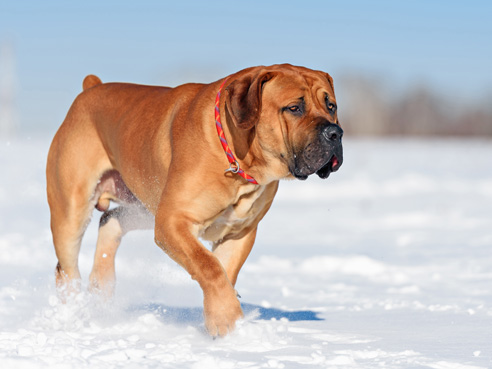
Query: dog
x=194, y=161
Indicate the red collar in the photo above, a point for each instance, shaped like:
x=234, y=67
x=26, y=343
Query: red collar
x=234, y=165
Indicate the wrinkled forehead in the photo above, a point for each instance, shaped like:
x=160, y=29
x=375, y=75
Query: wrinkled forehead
x=292, y=85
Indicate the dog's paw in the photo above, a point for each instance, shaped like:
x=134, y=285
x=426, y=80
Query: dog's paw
x=99, y=286
x=221, y=315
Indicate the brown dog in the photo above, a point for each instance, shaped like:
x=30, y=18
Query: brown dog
x=156, y=151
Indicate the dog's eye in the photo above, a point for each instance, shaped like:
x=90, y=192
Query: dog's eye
x=332, y=107
x=294, y=109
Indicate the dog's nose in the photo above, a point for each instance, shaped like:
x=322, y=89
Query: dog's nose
x=332, y=132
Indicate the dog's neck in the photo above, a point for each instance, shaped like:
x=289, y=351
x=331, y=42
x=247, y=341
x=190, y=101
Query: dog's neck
x=240, y=140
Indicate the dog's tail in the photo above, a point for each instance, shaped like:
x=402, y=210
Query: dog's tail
x=91, y=81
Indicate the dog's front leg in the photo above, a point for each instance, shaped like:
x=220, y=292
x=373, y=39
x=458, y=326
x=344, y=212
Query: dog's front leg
x=177, y=234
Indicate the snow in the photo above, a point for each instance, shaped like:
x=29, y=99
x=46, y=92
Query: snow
x=387, y=263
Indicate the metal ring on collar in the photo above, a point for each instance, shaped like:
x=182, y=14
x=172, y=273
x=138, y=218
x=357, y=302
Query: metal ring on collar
x=233, y=167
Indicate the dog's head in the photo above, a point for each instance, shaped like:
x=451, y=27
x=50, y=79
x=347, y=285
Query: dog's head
x=292, y=112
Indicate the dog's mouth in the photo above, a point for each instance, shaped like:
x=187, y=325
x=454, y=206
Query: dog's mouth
x=332, y=166
x=324, y=171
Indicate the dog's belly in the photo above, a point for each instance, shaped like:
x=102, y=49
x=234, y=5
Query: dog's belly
x=112, y=188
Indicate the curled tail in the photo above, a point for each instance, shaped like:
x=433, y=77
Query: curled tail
x=91, y=81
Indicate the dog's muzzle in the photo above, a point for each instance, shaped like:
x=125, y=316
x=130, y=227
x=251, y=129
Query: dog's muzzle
x=322, y=156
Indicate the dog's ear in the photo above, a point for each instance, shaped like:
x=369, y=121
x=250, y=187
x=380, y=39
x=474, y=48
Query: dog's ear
x=243, y=98
x=330, y=81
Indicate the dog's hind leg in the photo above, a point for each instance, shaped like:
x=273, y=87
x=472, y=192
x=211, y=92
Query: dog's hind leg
x=68, y=226
x=114, y=224
x=75, y=163
x=71, y=208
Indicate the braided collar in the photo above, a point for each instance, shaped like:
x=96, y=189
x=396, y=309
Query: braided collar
x=233, y=163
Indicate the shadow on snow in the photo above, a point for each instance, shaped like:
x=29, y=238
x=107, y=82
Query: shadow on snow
x=194, y=315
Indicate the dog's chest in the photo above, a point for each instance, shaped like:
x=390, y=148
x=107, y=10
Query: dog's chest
x=236, y=217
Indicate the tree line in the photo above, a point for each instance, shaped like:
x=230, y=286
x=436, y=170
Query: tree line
x=367, y=108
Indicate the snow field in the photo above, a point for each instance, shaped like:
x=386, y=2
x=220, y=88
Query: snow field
x=387, y=263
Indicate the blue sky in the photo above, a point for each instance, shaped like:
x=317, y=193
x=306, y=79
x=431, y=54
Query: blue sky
x=444, y=44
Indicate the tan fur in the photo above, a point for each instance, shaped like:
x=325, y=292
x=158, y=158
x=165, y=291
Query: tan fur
x=155, y=150
x=91, y=81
